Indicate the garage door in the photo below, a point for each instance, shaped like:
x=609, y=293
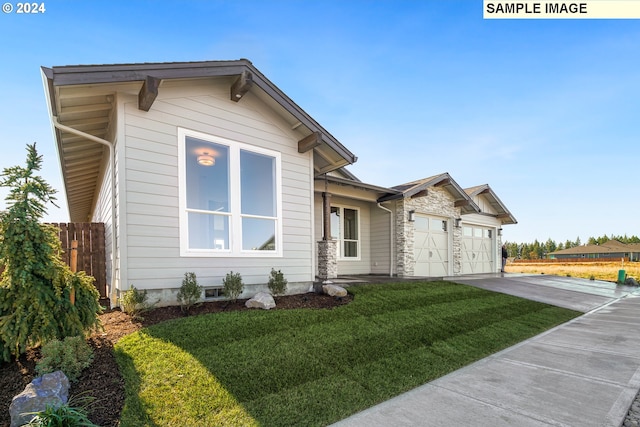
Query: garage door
x=477, y=250
x=430, y=246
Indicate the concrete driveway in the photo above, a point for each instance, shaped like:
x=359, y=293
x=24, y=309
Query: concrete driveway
x=585, y=372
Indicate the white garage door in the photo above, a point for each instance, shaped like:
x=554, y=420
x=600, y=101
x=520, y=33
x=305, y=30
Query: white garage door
x=477, y=250
x=430, y=246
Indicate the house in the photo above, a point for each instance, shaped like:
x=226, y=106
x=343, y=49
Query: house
x=610, y=249
x=209, y=167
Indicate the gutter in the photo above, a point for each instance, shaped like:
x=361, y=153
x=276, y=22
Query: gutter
x=390, y=238
x=61, y=127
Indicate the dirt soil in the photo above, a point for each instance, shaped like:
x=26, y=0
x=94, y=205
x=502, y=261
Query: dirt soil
x=102, y=380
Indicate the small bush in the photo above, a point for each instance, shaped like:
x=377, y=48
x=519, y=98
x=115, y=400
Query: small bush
x=233, y=286
x=277, y=283
x=70, y=356
x=190, y=292
x=592, y=277
x=134, y=302
x=71, y=414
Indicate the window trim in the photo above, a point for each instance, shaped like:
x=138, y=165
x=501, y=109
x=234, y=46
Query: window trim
x=341, y=239
x=235, y=215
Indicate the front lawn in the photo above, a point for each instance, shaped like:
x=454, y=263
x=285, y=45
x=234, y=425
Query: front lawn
x=315, y=367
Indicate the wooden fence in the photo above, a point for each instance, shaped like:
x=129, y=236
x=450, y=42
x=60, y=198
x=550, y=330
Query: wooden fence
x=91, y=250
x=569, y=260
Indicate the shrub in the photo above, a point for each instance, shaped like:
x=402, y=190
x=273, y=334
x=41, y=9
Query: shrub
x=70, y=356
x=277, y=283
x=134, y=302
x=35, y=286
x=190, y=292
x=74, y=413
x=233, y=286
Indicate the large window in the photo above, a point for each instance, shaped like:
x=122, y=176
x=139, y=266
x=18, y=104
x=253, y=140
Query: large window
x=229, y=197
x=345, y=228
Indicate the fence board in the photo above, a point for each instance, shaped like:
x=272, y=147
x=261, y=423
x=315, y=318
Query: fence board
x=91, y=249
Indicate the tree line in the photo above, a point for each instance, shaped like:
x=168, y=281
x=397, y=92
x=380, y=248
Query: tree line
x=540, y=250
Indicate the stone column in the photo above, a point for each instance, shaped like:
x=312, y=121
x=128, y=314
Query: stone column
x=327, y=259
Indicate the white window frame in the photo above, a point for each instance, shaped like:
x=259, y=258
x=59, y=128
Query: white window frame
x=235, y=214
x=341, y=239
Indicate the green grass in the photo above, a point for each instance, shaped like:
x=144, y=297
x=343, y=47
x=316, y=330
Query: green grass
x=315, y=367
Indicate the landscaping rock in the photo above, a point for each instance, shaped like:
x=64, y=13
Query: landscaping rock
x=334, y=290
x=630, y=281
x=50, y=389
x=262, y=300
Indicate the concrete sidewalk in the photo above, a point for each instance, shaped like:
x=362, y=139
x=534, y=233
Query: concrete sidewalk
x=583, y=373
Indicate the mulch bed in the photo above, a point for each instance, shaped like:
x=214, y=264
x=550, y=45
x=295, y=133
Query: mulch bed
x=102, y=379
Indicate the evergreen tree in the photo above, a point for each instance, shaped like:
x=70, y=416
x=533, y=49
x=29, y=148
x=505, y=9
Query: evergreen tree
x=36, y=284
x=550, y=246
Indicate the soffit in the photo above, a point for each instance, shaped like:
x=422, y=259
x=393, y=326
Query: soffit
x=492, y=199
x=82, y=160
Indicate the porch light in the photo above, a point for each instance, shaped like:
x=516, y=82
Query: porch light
x=412, y=216
x=206, y=160
x=499, y=231
x=457, y=222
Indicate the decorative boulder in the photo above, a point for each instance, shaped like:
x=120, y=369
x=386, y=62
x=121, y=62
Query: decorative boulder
x=262, y=300
x=48, y=390
x=334, y=290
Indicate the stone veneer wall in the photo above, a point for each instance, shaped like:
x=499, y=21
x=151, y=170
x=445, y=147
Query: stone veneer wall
x=328, y=259
x=437, y=202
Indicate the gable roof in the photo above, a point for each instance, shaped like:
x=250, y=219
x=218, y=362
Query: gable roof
x=502, y=212
x=420, y=187
x=81, y=98
x=609, y=247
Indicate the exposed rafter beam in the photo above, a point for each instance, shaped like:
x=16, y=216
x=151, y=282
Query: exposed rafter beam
x=445, y=181
x=309, y=142
x=461, y=203
x=148, y=93
x=329, y=168
x=241, y=86
x=420, y=193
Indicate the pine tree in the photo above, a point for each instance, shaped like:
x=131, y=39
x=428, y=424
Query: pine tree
x=36, y=284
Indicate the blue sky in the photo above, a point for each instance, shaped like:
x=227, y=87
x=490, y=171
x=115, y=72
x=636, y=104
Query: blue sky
x=544, y=111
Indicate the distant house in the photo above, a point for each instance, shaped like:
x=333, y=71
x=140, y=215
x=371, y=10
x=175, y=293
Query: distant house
x=209, y=167
x=610, y=249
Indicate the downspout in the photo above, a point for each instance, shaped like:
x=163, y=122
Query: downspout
x=60, y=126
x=390, y=238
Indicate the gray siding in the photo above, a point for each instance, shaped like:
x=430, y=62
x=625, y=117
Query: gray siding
x=152, y=186
x=380, y=241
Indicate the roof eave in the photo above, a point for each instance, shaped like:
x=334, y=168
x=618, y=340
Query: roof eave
x=356, y=184
x=121, y=73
